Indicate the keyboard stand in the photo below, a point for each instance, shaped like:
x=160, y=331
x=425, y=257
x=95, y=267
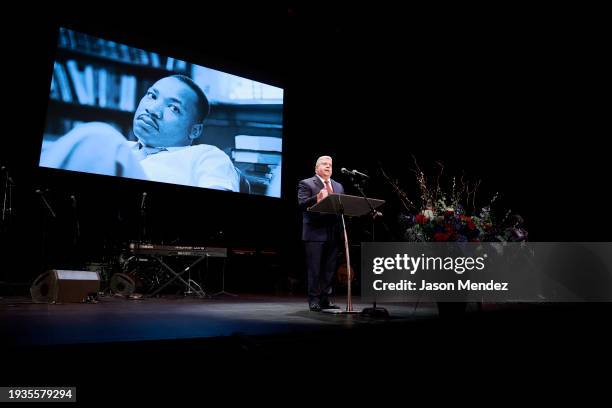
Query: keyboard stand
x=178, y=275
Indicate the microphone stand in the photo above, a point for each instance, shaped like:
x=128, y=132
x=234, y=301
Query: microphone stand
x=44, y=226
x=77, y=226
x=7, y=209
x=42, y=196
x=373, y=311
x=142, y=228
x=7, y=212
x=76, y=233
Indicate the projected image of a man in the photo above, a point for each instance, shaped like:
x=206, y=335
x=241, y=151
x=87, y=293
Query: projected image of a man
x=169, y=118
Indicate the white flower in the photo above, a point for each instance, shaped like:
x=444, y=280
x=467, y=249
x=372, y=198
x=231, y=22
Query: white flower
x=429, y=214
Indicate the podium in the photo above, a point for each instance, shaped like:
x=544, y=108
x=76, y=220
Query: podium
x=351, y=206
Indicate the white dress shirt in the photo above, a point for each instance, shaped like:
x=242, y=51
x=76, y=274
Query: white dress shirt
x=199, y=166
x=99, y=148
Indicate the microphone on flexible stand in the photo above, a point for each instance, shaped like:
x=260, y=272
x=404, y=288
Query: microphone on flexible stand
x=42, y=196
x=8, y=177
x=142, y=229
x=142, y=203
x=77, y=226
x=7, y=194
x=354, y=173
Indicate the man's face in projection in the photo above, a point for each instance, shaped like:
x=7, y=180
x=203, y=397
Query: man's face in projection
x=166, y=115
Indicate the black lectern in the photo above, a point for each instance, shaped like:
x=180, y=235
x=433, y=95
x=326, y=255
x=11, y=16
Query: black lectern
x=351, y=206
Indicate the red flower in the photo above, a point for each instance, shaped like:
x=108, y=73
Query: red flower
x=441, y=236
x=468, y=221
x=421, y=219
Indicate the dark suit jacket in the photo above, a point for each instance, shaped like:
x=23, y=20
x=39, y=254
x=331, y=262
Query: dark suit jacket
x=317, y=227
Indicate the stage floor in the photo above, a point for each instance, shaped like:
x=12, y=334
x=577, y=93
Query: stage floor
x=117, y=319
x=198, y=344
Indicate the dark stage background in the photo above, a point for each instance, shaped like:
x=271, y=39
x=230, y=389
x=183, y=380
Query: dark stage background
x=515, y=103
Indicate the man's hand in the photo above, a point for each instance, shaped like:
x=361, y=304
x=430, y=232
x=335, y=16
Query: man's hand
x=322, y=194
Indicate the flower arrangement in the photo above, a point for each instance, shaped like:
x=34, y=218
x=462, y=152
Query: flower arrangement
x=444, y=216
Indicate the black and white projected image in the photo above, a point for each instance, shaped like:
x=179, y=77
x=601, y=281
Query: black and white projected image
x=122, y=111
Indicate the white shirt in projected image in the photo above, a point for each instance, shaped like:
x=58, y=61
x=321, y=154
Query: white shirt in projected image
x=99, y=148
x=199, y=165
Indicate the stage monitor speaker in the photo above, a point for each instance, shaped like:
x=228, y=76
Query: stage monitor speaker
x=62, y=286
x=122, y=284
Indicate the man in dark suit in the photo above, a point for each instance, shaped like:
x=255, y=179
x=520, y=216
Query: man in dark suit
x=321, y=234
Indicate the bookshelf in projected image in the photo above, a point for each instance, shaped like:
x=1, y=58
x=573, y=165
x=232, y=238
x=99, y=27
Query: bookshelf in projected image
x=259, y=158
x=100, y=80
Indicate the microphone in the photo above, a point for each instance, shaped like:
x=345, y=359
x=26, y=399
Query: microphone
x=73, y=198
x=10, y=180
x=42, y=196
x=142, y=203
x=360, y=174
x=354, y=173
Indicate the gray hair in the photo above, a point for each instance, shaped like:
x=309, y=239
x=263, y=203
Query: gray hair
x=321, y=159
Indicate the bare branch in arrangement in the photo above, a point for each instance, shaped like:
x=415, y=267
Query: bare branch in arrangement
x=406, y=202
x=422, y=182
x=438, y=189
x=474, y=196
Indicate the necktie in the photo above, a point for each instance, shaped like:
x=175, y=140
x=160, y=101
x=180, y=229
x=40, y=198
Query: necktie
x=328, y=186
